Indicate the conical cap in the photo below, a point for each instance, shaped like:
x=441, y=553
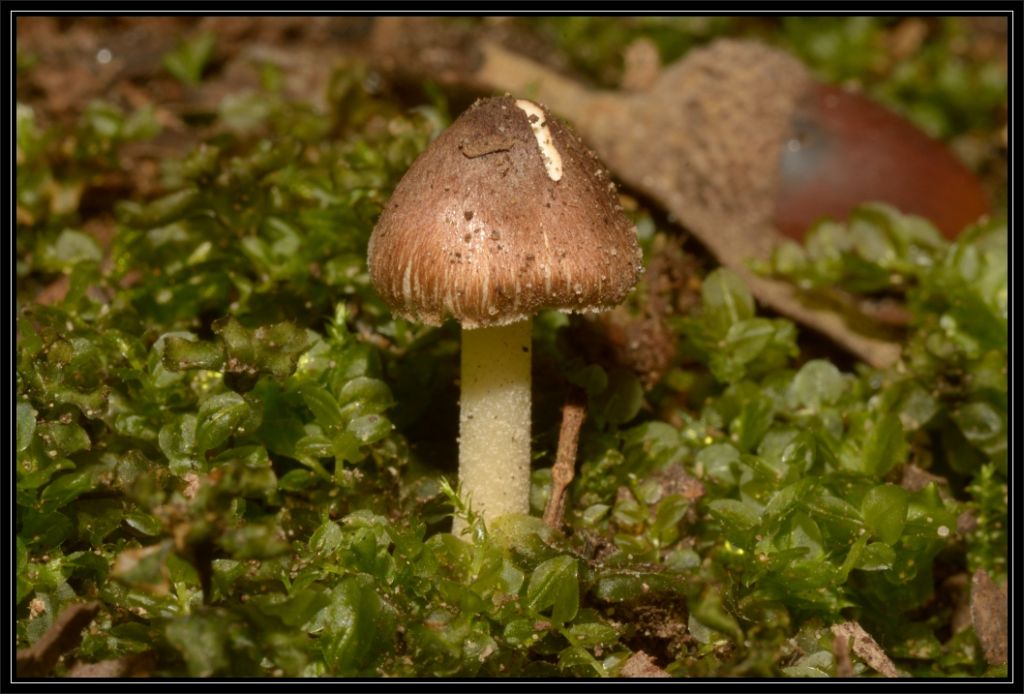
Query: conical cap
x=506, y=213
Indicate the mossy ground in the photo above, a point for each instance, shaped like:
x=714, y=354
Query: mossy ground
x=225, y=438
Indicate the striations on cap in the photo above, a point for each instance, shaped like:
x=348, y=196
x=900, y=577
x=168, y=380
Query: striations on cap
x=505, y=214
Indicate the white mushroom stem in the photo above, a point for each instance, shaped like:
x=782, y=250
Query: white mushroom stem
x=494, y=420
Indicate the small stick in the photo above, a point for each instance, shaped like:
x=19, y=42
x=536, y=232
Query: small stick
x=573, y=413
x=63, y=635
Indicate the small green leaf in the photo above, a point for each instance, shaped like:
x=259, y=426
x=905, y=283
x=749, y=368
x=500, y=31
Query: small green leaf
x=554, y=584
x=621, y=400
x=97, y=518
x=746, y=339
x=752, y=346
x=297, y=609
x=754, y=420
x=323, y=406
x=259, y=539
x=877, y=556
x=801, y=453
x=726, y=300
x=245, y=110
x=369, y=429
x=784, y=502
x=202, y=641
x=189, y=57
x=917, y=408
x=21, y=562
x=26, y=425
x=983, y=425
x=671, y=510
x=593, y=634
x=144, y=523
x=70, y=248
x=223, y=416
x=593, y=514
x=356, y=627
x=273, y=349
x=592, y=378
x=884, y=447
x=177, y=440
x=520, y=631
x=181, y=571
x=885, y=512
x=181, y=354
x=576, y=659
x=735, y=515
x=43, y=529
x=719, y=461
x=710, y=611
x=313, y=447
x=163, y=211
x=326, y=539
x=66, y=488
x=818, y=383
x=835, y=514
x=62, y=439
x=364, y=395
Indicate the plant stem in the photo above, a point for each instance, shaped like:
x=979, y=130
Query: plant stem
x=494, y=420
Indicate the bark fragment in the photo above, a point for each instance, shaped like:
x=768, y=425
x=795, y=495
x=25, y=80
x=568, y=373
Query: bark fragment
x=988, y=614
x=866, y=647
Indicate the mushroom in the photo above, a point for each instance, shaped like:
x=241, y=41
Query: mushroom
x=505, y=214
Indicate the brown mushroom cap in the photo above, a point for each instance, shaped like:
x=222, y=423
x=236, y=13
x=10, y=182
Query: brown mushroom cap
x=506, y=213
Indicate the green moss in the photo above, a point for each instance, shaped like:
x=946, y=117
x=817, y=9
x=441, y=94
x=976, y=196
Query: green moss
x=225, y=438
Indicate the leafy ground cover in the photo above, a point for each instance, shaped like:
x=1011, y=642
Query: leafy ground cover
x=226, y=442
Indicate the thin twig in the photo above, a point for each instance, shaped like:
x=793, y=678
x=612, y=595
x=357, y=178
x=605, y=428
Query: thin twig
x=573, y=413
x=63, y=636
